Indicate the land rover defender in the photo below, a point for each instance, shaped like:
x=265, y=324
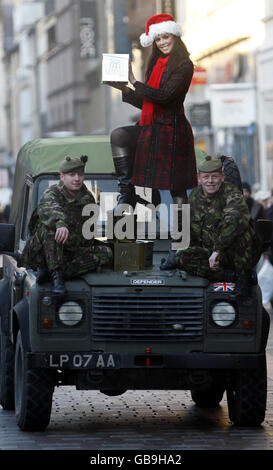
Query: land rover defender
x=128, y=328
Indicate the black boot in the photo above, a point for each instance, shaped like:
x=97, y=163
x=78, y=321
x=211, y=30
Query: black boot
x=168, y=263
x=244, y=284
x=156, y=198
x=243, y=289
x=243, y=281
x=43, y=275
x=58, y=283
x=230, y=276
x=179, y=199
x=123, y=167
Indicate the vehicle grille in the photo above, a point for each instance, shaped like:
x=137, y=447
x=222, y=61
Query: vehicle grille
x=130, y=317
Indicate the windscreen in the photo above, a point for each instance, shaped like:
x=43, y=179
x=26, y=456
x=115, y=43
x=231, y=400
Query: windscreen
x=148, y=221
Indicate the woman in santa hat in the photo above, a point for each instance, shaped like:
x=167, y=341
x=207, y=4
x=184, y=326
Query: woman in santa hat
x=158, y=152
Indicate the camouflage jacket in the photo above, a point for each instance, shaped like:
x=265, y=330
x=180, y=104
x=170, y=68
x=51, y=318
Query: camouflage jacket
x=217, y=221
x=58, y=209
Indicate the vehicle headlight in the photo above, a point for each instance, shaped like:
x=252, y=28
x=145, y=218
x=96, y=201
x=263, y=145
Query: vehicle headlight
x=223, y=314
x=46, y=300
x=70, y=313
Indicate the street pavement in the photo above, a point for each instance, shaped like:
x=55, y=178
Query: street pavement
x=139, y=420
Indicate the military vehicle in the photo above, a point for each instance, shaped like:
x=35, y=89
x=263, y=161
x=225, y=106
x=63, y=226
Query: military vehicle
x=128, y=328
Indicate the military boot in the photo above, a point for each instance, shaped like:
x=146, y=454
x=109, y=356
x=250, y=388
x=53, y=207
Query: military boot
x=244, y=284
x=43, y=275
x=58, y=283
x=243, y=289
x=169, y=263
x=243, y=281
x=230, y=276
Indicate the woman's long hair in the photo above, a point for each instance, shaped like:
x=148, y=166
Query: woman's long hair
x=178, y=55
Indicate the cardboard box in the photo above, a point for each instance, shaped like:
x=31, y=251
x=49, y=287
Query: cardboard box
x=133, y=256
x=115, y=68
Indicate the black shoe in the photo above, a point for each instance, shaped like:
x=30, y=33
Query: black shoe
x=58, y=283
x=156, y=198
x=244, y=282
x=43, y=275
x=168, y=263
x=230, y=276
x=243, y=289
x=127, y=196
x=252, y=277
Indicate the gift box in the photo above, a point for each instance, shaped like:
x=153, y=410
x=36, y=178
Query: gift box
x=115, y=68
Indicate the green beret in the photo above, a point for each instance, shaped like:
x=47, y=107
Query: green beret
x=72, y=164
x=210, y=164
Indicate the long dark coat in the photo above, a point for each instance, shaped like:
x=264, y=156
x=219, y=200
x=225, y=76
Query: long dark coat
x=165, y=157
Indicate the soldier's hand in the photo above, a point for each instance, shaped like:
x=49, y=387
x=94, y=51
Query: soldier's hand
x=61, y=234
x=214, y=261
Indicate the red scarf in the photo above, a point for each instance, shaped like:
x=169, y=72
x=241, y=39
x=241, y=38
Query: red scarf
x=148, y=108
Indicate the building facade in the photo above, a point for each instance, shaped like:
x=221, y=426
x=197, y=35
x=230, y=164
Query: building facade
x=265, y=98
x=51, y=54
x=51, y=72
x=223, y=37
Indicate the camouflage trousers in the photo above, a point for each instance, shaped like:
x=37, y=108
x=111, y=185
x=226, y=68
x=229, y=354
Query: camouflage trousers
x=41, y=250
x=241, y=258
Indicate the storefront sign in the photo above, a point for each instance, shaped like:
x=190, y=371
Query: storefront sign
x=233, y=105
x=88, y=30
x=199, y=76
x=199, y=114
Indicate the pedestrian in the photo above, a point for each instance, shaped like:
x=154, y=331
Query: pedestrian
x=223, y=243
x=263, y=197
x=269, y=216
x=2, y=214
x=56, y=247
x=255, y=208
x=158, y=152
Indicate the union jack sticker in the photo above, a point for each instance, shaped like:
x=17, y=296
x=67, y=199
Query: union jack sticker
x=223, y=286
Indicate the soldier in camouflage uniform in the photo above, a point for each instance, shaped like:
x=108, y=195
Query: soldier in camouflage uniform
x=223, y=246
x=56, y=245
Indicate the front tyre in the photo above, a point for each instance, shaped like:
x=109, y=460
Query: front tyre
x=246, y=397
x=6, y=373
x=33, y=390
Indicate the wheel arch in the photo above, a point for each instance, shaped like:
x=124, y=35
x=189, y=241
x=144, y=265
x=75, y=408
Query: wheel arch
x=5, y=306
x=21, y=322
x=264, y=328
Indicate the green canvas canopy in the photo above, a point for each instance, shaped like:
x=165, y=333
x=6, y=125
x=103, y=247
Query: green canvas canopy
x=44, y=156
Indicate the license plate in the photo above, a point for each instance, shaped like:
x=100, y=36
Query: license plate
x=83, y=361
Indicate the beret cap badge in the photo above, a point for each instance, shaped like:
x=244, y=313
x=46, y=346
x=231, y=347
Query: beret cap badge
x=210, y=164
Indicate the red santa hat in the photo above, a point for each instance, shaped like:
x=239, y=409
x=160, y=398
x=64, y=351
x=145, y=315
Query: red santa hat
x=159, y=24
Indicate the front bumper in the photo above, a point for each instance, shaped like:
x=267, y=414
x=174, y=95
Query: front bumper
x=113, y=361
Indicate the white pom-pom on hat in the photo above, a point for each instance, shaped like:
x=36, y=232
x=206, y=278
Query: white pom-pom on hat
x=145, y=40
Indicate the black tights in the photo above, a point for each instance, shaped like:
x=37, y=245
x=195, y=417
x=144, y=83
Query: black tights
x=124, y=139
x=123, y=142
